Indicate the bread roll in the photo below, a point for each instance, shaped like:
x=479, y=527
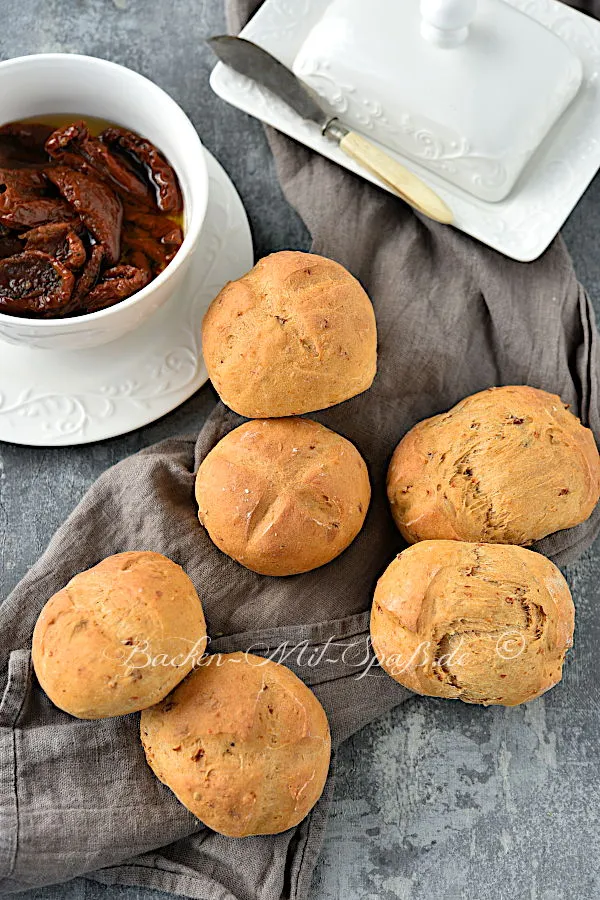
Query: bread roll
x=483, y=623
x=119, y=636
x=294, y=335
x=508, y=466
x=283, y=496
x=243, y=743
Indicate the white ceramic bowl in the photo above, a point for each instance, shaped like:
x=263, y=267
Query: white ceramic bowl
x=83, y=85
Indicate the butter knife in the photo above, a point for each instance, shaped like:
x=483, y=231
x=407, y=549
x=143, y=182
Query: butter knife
x=252, y=61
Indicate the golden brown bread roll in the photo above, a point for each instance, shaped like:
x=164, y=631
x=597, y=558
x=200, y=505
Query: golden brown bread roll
x=282, y=496
x=119, y=636
x=508, y=465
x=297, y=333
x=483, y=623
x=243, y=743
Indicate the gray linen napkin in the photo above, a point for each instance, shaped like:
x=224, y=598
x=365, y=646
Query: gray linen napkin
x=453, y=317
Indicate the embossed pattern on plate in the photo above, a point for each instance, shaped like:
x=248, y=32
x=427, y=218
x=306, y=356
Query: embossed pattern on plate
x=53, y=399
x=522, y=225
x=474, y=114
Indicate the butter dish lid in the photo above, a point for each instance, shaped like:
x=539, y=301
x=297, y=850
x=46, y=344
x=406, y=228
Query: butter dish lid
x=469, y=88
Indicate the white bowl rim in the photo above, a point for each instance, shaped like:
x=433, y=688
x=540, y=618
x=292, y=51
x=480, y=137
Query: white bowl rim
x=198, y=181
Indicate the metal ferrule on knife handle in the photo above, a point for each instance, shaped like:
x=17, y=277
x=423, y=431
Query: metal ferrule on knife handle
x=335, y=130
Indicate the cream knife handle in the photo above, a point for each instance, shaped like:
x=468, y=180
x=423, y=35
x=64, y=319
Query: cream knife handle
x=408, y=186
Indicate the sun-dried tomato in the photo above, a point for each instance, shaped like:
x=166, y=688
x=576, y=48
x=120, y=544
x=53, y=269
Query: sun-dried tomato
x=58, y=240
x=98, y=207
x=33, y=283
x=24, y=200
x=87, y=279
x=74, y=146
x=160, y=173
x=117, y=284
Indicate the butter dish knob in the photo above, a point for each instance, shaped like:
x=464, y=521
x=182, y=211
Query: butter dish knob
x=446, y=22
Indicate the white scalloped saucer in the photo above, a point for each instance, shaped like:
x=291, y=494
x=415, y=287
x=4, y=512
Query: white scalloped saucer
x=56, y=399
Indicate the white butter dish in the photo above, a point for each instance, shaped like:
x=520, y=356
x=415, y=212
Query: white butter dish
x=522, y=224
x=471, y=102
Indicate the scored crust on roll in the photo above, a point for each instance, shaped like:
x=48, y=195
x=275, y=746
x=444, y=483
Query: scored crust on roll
x=295, y=334
x=509, y=465
x=119, y=636
x=483, y=623
x=282, y=496
x=243, y=743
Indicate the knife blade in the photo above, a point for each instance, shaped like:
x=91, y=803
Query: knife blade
x=257, y=64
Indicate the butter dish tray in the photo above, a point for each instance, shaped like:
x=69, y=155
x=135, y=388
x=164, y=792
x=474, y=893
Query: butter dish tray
x=517, y=212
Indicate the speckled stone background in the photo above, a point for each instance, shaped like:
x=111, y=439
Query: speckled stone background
x=438, y=799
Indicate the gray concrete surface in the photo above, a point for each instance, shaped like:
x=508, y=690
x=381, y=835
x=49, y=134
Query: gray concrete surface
x=437, y=799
